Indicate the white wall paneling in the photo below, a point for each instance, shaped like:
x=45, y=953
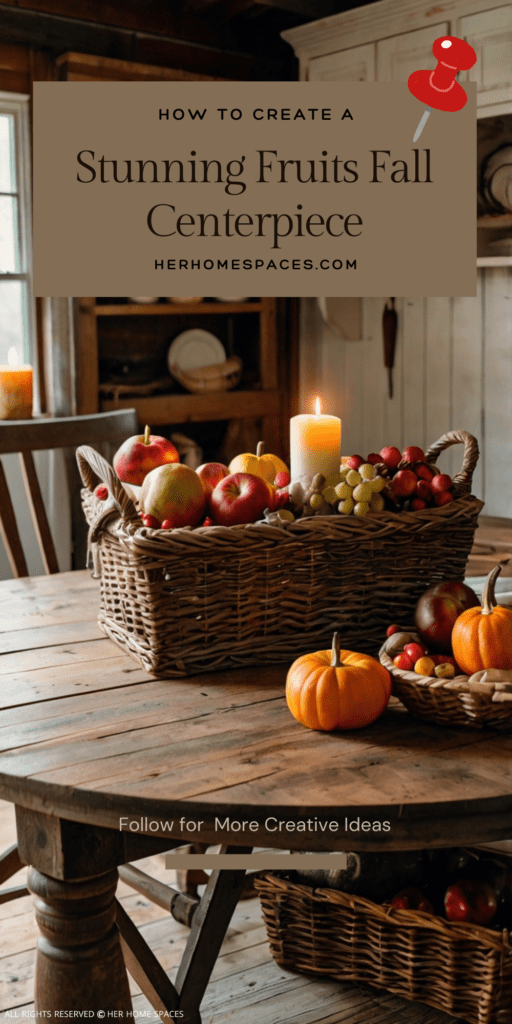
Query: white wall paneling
x=438, y=368
x=453, y=362
x=453, y=369
x=467, y=340
x=497, y=392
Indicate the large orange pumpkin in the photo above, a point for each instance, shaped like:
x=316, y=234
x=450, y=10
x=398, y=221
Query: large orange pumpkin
x=337, y=689
x=482, y=637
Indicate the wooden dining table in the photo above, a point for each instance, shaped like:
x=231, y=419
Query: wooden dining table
x=107, y=764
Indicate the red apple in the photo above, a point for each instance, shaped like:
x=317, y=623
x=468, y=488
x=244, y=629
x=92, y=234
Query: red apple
x=414, y=651
x=423, y=472
x=470, y=900
x=374, y=458
x=437, y=610
x=240, y=498
x=444, y=498
x=412, y=899
x=417, y=504
x=404, y=662
x=413, y=454
x=278, y=498
x=393, y=629
x=282, y=479
x=173, y=493
x=404, y=483
x=391, y=457
x=211, y=473
x=354, y=461
x=441, y=482
x=140, y=454
x=423, y=490
x=150, y=521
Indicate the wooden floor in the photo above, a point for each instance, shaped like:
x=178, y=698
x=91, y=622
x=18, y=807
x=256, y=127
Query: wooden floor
x=246, y=988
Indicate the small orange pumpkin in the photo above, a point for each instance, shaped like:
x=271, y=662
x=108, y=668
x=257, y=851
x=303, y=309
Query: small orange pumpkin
x=337, y=689
x=261, y=464
x=482, y=637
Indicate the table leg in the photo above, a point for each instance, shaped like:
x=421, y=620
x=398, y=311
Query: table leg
x=79, y=963
x=209, y=926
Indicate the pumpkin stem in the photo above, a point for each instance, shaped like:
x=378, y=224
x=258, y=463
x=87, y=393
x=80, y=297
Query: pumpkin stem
x=147, y=434
x=260, y=449
x=335, y=660
x=488, y=599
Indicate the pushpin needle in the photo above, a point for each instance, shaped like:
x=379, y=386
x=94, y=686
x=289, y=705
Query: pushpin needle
x=422, y=124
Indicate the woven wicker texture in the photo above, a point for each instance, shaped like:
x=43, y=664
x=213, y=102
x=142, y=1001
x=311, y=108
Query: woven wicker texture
x=465, y=970
x=186, y=601
x=452, y=701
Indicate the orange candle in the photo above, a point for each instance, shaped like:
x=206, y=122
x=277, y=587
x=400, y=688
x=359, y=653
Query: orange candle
x=15, y=389
x=315, y=444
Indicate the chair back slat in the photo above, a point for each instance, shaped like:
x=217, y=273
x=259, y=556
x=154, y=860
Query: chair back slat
x=26, y=436
x=38, y=512
x=9, y=530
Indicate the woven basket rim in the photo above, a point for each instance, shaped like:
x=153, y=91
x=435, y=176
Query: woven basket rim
x=501, y=941
x=460, y=684
x=370, y=523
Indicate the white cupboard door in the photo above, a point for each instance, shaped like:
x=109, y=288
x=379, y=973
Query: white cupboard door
x=399, y=56
x=490, y=35
x=354, y=65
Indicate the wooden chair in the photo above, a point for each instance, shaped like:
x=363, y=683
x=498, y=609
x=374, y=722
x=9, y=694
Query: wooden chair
x=26, y=436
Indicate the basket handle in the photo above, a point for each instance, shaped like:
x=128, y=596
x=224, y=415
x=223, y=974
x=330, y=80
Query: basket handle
x=91, y=465
x=462, y=479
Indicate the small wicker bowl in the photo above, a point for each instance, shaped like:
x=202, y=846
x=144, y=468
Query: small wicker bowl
x=451, y=702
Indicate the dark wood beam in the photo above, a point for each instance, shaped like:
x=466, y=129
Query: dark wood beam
x=305, y=8
x=153, y=17
x=56, y=34
x=302, y=9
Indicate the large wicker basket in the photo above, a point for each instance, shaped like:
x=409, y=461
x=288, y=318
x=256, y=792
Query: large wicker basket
x=465, y=970
x=186, y=601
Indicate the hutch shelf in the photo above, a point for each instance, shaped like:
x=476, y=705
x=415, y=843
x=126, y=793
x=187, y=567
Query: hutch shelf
x=260, y=396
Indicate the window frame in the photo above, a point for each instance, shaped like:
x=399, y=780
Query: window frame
x=18, y=106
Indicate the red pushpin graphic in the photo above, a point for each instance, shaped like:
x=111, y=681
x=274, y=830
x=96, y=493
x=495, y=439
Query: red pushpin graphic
x=438, y=88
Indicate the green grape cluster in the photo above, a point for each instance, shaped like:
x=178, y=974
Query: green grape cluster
x=358, y=491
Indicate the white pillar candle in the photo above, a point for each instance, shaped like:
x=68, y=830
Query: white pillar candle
x=315, y=444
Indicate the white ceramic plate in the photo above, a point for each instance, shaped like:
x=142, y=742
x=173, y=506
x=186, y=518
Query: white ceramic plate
x=195, y=348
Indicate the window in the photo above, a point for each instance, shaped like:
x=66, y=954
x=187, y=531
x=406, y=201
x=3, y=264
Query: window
x=16, y=301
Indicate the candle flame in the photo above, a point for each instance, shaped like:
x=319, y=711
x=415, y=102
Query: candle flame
x=12, y=357
x=318, y=407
